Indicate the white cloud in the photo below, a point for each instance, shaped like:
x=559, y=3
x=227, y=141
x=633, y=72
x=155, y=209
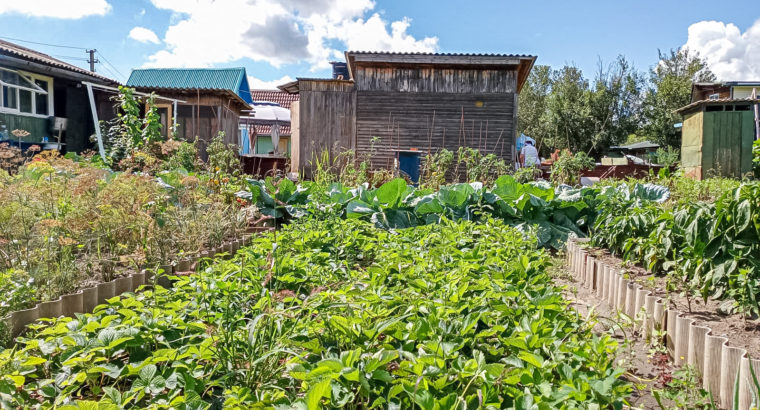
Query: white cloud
x=61, y=9
x=730, y=54
x=259, y=84
x=144, y=35
x=203, y=33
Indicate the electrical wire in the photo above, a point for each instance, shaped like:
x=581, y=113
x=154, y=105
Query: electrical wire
x=42, y=44
x=70, y=57
x=109, y=63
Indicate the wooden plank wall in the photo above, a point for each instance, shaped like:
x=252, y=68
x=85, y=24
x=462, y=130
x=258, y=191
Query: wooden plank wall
x=432, y=80
x=391, y=121
x=327, y=120
x=424, y=108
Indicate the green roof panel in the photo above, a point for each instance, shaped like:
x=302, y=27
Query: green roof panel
x=233, y=79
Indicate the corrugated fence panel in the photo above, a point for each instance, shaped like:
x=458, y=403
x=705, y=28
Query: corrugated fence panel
x=423, y=80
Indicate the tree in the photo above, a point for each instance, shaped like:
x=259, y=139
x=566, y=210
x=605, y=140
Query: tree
x=615, y=105
x=568, y=110
x=670, y=88
x=531, y=110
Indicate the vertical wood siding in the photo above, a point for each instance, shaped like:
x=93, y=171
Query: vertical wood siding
x=327, y=112
x=431, y=80
x=391, y=121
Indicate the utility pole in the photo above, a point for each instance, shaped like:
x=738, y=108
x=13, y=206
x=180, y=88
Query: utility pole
x=92, y=59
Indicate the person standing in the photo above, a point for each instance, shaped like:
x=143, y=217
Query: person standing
x=529, y=155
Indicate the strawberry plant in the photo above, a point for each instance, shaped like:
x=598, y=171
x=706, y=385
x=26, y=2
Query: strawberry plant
x=334, y=313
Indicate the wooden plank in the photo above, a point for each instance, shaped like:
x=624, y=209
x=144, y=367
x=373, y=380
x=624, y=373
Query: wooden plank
x=747, y=137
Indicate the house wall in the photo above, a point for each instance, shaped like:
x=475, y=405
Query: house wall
x=327, y=120
x=744, y=92
x=203, y=116
x=429, y=109
x=691, y=144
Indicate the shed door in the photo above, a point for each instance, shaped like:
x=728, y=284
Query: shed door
x=729, y=150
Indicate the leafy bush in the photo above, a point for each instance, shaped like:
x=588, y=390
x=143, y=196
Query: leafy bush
x=667, y=157
x=435, y=167
x=709, y=250
x=567, y=168
x=68, y=223
x=222, y=158
x=342, y=315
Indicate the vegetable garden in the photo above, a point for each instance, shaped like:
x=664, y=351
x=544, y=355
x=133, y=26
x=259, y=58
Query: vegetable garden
x=390, y=296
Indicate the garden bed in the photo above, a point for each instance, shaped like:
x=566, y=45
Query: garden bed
x=336, y=313
x=724, y=366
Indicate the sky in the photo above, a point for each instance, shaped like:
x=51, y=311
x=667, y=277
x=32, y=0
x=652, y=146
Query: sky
x=280, y=40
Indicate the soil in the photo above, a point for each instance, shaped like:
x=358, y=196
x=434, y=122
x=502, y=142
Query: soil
x=740, y=332
x=634, y=351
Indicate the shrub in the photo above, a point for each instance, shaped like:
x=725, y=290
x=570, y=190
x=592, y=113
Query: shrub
x=567, y=168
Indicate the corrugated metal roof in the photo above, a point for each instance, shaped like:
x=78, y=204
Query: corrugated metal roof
x=637, y=145
x=441, y=54
x=233, y=79
x=36, y=56
x=716, y=101
x=280, y=97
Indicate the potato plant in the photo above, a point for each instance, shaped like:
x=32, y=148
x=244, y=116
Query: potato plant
x=333, y=313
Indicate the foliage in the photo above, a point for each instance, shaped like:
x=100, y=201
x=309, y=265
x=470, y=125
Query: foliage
x=67, y=223
x=435, y=167
x=524, y=175
x=756, y=157
x=712, y=249
x=670, y=88
x=17, y=288
x=222, y=158
x=478, y=167
x=554, y=215
x=562, y=109
x=667, y=157
x=452, y=315
x=684, y=391
x=567, y=168
x=180, y=155
x=131, y=133
x=11, y=158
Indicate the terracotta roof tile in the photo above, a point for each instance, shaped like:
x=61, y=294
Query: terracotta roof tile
x=275, y=96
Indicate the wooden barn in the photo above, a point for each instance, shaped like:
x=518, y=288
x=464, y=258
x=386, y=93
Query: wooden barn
x=209, y=100
x=395, y=107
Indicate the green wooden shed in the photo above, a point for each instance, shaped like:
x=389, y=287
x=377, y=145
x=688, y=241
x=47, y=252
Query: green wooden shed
x=717, y=137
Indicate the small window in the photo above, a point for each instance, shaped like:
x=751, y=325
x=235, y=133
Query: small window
x=713, y=97
x=41, y=101
x=714, y=108
x=10, y=97
x=25, y=101
x=741, y=108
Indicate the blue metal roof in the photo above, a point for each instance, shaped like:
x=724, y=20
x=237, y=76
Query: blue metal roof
x=233, y=79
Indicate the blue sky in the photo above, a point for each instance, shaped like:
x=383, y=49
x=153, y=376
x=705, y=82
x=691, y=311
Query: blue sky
x=277, y=40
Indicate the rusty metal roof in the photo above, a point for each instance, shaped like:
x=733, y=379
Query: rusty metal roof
x=716, y=101
x=16, y=50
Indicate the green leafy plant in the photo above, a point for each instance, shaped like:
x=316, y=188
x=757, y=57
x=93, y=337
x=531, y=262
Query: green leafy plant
x=567, y=168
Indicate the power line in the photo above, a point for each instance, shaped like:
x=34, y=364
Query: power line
x=69, y=57
x=41, y=44
x=109, y=63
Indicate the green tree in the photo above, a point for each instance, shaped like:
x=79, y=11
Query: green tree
x=568, y=110
x=670, y=88
x=532, y=114
x=615, y=105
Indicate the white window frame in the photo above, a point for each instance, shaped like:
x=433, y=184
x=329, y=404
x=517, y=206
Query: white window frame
x=34, y=89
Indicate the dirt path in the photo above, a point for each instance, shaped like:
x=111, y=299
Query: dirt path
x=635, y=354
